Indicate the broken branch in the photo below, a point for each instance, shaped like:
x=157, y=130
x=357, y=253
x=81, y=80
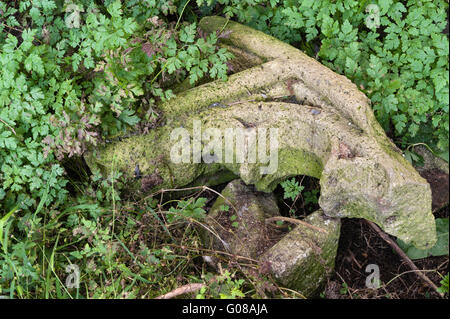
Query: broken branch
x=181, y=291
x=402, y=254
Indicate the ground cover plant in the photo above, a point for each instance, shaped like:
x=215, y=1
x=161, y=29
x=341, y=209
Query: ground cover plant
x=75, y=74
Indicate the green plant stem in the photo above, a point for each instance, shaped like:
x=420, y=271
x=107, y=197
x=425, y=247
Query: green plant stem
x=182, y=12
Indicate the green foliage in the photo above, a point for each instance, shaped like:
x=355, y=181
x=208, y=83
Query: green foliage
x=344, y=289
x=86, y=232
x=444, y=285
x=76, y=73
x=413, y=157
x=223, y=286
x=234, y=222
x=311, y=197
x=395, y=53
x=291, y=188
x=439, y=249
x=190, y=208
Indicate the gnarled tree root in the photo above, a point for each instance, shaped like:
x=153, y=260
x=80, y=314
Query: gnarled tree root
x=326, y=129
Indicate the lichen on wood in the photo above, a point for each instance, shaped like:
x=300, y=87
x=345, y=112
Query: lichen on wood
x=326, y=129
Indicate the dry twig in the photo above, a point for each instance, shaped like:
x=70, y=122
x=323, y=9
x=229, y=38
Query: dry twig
x=181, y=291
x=9, y=126
x=402, y=254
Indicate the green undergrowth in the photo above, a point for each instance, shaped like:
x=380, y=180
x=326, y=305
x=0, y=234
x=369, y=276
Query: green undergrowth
x=119, y=249
x=74, y=74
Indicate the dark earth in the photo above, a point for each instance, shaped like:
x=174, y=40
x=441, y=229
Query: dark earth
x=360, y=245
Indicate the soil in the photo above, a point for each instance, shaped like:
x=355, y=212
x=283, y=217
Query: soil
x=359, y=246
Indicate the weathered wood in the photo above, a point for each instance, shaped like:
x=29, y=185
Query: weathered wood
x=326, y=129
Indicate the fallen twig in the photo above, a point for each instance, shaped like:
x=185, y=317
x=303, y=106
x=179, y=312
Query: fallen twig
x=9, y=126
x=402, y=254
x=295, y=221
x=181, y=291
